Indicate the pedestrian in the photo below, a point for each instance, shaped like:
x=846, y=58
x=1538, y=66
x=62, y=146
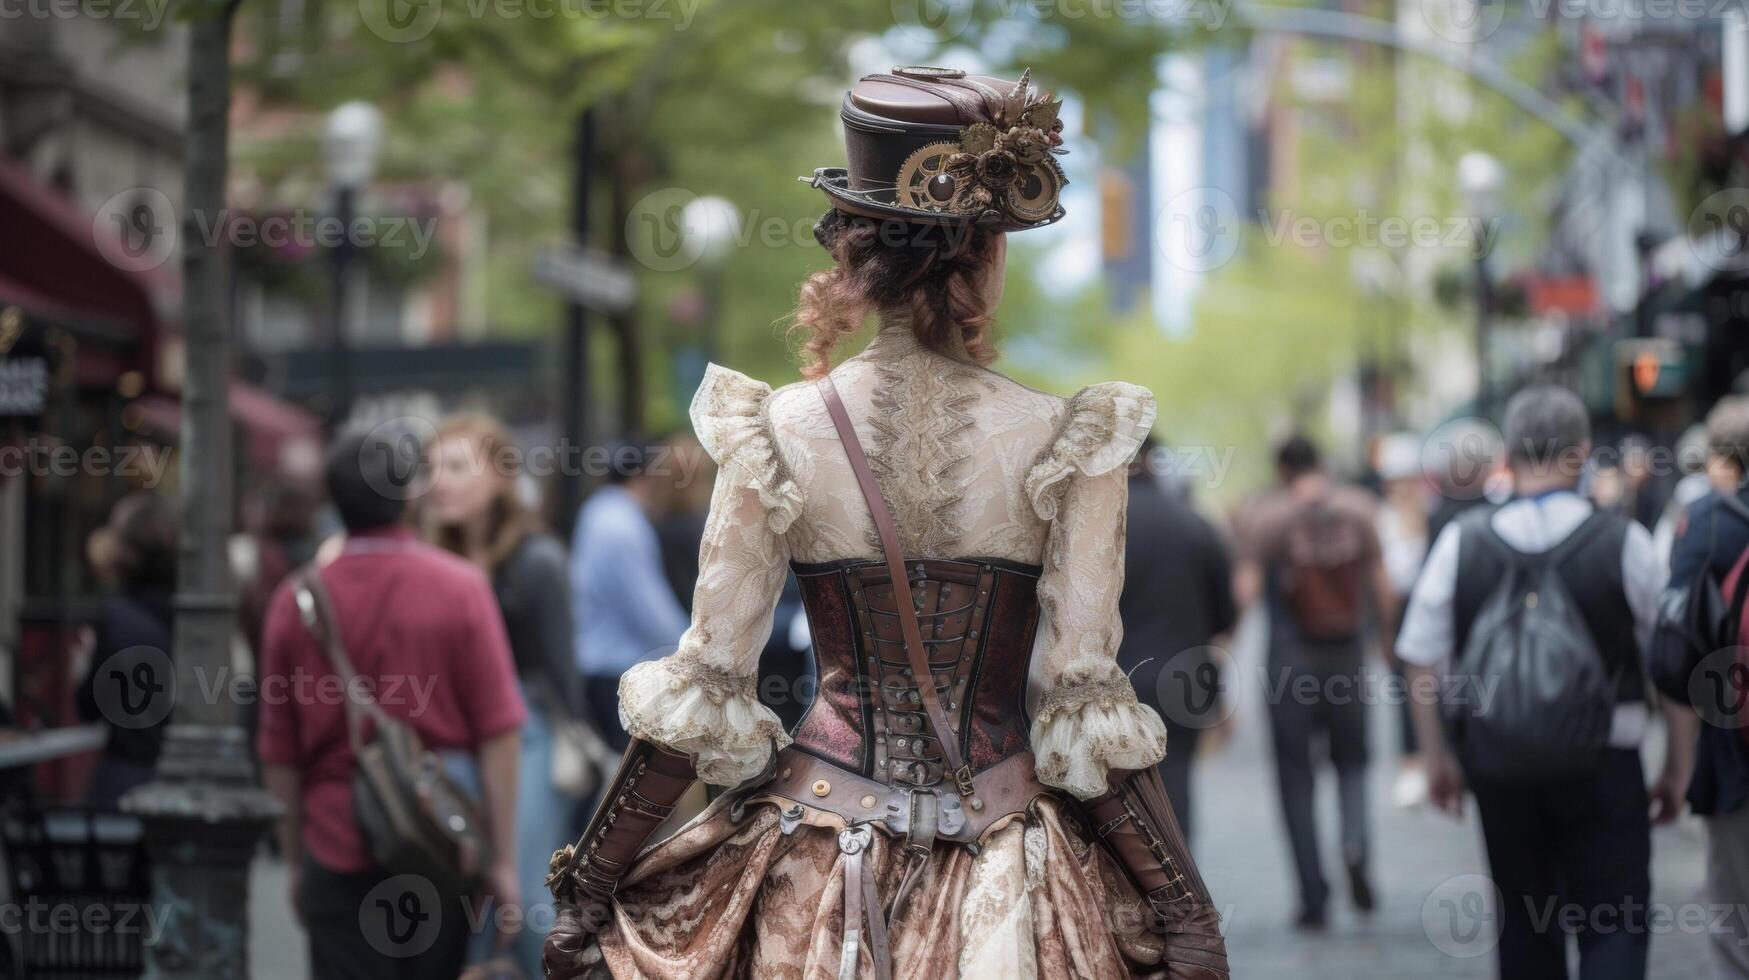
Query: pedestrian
x=424, y=634
x=680, y=526
x=1177, y=607
x=1464, y=458
x=1714, y=536
x=475, y=509
x=943, y=522
x=1311, y=553
x=129, y=678
x=1402, y=530
x=1642, y=491
x=1551, y=587
x=1694, y=455
x=624, y=607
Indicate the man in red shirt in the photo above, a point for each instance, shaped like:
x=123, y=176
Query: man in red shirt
x=424, y=633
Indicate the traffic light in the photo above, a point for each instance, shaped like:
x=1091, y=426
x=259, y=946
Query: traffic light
x=1652, y=377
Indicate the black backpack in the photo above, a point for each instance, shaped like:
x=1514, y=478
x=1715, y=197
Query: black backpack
x=1696, y=619
x=1530, y=695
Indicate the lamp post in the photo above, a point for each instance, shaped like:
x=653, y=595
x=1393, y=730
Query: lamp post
x=710, y=226
x=349, y=151
x=203, y=814
x=1480, y=178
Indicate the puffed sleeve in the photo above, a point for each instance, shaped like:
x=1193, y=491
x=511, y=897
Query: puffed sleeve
x=702, y=699
x=1088, y=718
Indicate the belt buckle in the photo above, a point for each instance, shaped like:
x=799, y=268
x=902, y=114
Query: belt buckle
x=855, y=838
x=962, y=778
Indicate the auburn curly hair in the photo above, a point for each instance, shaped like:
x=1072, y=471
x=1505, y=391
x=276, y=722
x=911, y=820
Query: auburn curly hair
x=932, y=273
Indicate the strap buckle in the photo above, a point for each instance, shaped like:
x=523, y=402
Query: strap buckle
x=962, y=778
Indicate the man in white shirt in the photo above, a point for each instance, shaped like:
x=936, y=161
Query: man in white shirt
x=1576, y=843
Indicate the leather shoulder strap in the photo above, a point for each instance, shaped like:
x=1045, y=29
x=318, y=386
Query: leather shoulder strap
x=915, y=651
x=317, y=611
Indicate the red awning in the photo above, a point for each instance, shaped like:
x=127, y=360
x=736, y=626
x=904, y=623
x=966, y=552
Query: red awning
x=278, y=436
x=52, y=262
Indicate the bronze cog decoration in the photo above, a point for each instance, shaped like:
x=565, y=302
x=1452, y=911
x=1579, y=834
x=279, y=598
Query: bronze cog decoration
x=1006, y=167
x=923, y=181
x=1033, y=197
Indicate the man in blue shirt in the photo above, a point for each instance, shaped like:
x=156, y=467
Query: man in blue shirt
x=624, y=608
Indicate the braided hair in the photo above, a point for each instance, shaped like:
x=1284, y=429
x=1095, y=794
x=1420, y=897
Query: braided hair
x=931, y=273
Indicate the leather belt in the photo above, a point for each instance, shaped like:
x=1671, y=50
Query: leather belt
x=810, y=790
x=813, y=791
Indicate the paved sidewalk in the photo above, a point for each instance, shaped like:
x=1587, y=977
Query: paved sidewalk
x=276, y=941
x=1423, y=862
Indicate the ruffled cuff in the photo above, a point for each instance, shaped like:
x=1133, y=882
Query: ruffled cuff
x=709, y=714
x=1103, y=425
x=1092, y=723
x=729, y=416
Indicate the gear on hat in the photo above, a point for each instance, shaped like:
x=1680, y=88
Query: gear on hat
x=938, y=146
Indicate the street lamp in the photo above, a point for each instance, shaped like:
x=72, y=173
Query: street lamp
x=202, y=812
x=349, y=152
x=1480, y=178
x=710, y=226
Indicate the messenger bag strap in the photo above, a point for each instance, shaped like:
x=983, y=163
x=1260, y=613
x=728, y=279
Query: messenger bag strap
x=317, y=611
x=915, y=651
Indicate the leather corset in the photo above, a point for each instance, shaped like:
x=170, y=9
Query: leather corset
x=977, y=617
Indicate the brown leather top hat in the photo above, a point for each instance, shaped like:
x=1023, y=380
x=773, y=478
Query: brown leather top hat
x=939, y=146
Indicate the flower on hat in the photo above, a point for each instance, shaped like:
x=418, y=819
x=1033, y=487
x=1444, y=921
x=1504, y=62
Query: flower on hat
x=1002, y=166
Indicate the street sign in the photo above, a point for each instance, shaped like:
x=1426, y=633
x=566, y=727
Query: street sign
x=599, y=282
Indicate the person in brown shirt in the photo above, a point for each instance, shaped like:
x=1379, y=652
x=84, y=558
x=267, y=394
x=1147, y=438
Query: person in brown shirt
x=1310, y=552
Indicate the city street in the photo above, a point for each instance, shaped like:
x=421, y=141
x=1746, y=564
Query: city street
x=1425, y=863
x=1418, y=856
x=381, y=377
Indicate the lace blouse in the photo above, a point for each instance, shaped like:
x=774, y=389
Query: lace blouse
x=973, y=464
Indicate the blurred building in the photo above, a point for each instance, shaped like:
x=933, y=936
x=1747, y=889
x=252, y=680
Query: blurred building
x=90, y=353
x=412, y=327
x=1639, y=297
x=80, y=334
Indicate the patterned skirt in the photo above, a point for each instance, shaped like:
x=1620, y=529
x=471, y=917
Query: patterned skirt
x=723, y=899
